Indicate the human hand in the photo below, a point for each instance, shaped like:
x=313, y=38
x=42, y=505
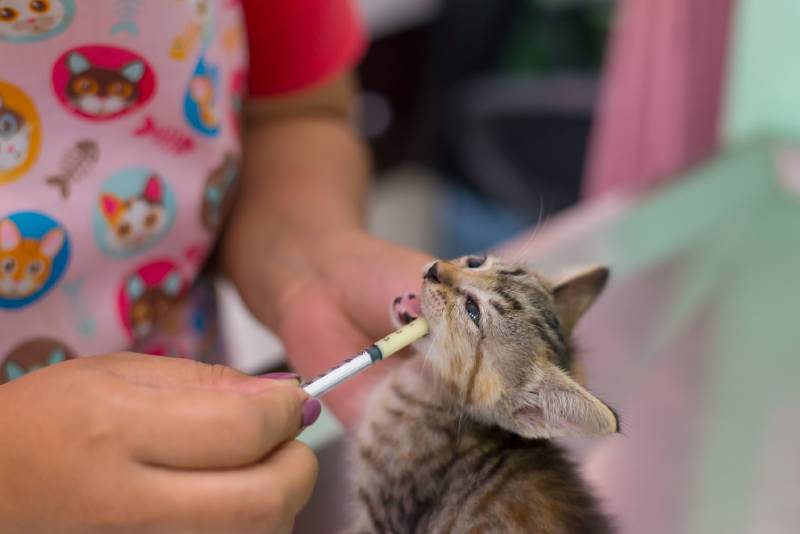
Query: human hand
x=134, y=443
x=327, y=296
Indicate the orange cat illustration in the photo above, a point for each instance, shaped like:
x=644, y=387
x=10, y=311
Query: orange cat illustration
x=26, y=263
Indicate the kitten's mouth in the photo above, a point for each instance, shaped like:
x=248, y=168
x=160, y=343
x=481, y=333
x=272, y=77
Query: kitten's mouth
x=407, y=308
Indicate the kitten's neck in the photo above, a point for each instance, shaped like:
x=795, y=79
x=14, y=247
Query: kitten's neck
x=421, y=379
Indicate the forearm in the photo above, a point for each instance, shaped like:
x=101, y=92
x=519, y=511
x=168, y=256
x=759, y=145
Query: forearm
x=305, y=173
x=304, y=179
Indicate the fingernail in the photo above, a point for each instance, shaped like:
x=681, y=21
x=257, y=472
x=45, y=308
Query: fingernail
x=311, y=410
x=281, y=376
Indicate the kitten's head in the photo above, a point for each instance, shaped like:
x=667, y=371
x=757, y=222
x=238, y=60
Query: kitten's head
x=14, y=137
x=21, y=18
x=151, y=304
x=26, y=263
x=501, y=340
x=137, y=221
x=98, y=91
x=32, y=355
x=11, y=122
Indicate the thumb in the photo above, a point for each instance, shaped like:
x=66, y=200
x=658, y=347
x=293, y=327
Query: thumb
x=160, y=372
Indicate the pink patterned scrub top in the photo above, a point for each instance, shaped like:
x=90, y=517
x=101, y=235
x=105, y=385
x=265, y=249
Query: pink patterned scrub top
x=119, y=153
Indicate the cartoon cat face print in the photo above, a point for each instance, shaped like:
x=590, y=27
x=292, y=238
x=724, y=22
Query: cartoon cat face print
x=15, y=137
x=32, y=355
x=152, y=304
x=26, y=263
x=100, y=92
x=30, y=18
x=137, y=221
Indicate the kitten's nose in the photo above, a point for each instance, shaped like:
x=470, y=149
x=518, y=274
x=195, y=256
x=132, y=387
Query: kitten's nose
x=432, y=274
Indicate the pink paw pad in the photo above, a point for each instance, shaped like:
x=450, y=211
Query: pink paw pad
x=406, y=308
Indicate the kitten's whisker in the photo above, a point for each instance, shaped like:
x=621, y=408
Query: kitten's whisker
x=522, y=251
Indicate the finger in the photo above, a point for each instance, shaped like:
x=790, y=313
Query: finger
x=158, y=371
x=263, y=497
x=335, y=339
x=396, y=270
x=197, y=428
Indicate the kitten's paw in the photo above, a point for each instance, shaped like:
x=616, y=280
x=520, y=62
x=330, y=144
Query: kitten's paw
x=405, y=309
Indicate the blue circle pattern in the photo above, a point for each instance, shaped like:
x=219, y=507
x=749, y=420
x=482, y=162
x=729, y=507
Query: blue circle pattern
x=34, y=225
x=69, y=16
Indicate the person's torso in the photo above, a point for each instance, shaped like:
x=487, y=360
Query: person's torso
x=118, y=149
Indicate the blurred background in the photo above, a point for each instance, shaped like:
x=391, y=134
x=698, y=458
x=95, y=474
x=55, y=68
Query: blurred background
x=657, y=136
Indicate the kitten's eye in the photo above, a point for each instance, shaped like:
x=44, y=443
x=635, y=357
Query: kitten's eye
x=123, y=90
x=35, y=268
x=473, y=310
x=85, y=86
x=40, y=6
x=9, y=265
x=8, y=15
x=473, y=262
x=124, y=230
x=151, y=219
x=8, y=123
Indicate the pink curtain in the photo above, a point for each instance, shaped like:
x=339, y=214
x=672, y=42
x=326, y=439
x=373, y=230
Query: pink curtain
x=662, y=93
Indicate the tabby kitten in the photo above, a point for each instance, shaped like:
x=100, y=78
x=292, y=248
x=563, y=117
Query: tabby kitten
x=460, y=441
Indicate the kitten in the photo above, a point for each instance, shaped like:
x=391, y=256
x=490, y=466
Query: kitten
x=26, y=263
x=21, y=18
x=460, y=442
x=15, y=136
x=135, y=221
x=100, y=92
x=151, y=305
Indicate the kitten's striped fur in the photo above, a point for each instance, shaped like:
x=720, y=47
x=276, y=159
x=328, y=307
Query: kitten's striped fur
x=459, y=442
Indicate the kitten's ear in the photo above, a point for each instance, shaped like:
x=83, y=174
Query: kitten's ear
x=78, y=63
x=110, y=205
x=56, y=356
x=135, y=287
x=172, y=284
x=557, y=406
x=133, y=71
x=9, y=235
x=152, y=190
x=52, y=242
x=13, y=371
x=574, y=294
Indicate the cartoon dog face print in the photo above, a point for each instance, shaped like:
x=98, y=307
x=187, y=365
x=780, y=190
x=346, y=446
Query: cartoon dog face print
x=23, y=21
x=219, y=193
x=20, y=133
x=102, y=82
x=98, y=91
x=15, y=137
x=135, y=209
x=149, y=296
x=33, y=255
x=32, y=355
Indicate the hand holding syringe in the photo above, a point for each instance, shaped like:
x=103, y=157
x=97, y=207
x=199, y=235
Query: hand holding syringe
x=380, y=350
